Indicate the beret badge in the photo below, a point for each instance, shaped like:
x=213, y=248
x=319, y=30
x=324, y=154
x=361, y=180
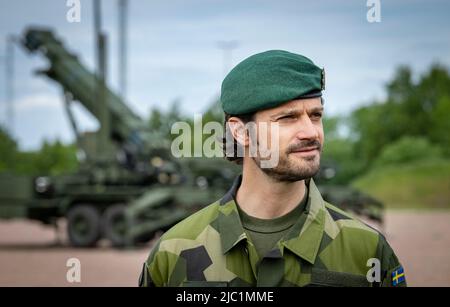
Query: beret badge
x=323, y=79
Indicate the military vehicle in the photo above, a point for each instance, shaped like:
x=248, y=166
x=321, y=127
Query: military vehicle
x=127, y=186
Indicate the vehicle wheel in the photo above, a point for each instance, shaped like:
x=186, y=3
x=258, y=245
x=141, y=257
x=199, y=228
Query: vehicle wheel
x=83, y=226
x=114, y=225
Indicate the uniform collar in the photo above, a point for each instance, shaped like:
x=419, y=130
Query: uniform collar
x=304, y=239
x=229, y=222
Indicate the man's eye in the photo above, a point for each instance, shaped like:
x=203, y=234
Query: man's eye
x=287, y=117
x=316, y=115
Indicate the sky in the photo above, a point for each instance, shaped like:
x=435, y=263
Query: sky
x=174, y=54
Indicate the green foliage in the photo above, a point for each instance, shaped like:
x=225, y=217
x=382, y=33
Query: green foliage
x=214, y=113
x=416, y=109
x=339, y=151
x=376, y=126
x=408, y=149
x=8, y=151
x=331, y=125
x=163, y=121
x=440, y=130
x=55, y=158
x=421, y=184
x=52, y=159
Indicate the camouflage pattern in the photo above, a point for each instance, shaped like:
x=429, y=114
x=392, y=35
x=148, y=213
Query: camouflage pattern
x=326, y=247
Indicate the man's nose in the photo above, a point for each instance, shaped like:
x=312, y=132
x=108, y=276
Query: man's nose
x=306, y=129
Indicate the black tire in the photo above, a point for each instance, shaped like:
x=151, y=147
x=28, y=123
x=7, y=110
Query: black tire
x=114, y=225
x=83, y=226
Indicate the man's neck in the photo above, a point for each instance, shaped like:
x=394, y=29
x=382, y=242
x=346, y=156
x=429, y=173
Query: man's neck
x=263, y=197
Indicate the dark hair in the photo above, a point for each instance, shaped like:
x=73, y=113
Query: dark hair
x=236, y=147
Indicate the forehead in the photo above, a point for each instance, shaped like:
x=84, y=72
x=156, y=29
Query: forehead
x=298, y=105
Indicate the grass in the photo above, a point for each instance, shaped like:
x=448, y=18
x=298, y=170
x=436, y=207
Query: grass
x=419, y=185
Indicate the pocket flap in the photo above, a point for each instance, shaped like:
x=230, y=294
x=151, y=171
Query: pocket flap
x=205, y=284
x=337, y=279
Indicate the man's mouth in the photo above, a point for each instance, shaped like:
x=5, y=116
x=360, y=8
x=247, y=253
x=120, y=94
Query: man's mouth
x=306, y=151
x=305, y=148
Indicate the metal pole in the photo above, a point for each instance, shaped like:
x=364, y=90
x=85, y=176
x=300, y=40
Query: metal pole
x=5, y=86
x=97, y=34
x=123, y=7
x=100, y=37
x=227, y=48
x=9, y=91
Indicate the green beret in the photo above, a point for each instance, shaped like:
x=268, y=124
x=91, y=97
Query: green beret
x=269, y=79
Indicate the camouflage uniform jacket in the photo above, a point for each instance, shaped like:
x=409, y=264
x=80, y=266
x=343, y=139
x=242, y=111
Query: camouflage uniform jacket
x=326, y=247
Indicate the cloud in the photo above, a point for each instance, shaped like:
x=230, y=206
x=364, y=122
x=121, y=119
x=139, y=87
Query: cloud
x=37, y=101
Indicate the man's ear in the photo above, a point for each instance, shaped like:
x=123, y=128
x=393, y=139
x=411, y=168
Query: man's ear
x=238, y=131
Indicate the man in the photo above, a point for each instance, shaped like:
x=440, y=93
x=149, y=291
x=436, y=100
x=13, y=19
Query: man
x=273, y=228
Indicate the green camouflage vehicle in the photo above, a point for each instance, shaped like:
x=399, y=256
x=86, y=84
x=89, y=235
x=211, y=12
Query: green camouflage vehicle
x=127, y=186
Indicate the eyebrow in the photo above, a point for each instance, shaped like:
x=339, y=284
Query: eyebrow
x=316, y=109
x=295, y=112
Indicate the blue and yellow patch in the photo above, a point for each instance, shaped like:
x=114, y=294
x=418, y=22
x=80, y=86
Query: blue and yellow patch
x=398, y=276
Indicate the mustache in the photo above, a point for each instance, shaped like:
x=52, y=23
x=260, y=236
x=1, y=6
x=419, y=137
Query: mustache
x=304, y=144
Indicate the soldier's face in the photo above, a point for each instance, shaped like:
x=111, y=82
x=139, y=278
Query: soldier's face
x=296, y=127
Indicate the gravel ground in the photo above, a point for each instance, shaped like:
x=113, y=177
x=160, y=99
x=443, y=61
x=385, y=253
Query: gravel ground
x=31, y=256
x=422, y=243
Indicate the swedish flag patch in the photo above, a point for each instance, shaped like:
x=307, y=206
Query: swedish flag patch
x=398, y=276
